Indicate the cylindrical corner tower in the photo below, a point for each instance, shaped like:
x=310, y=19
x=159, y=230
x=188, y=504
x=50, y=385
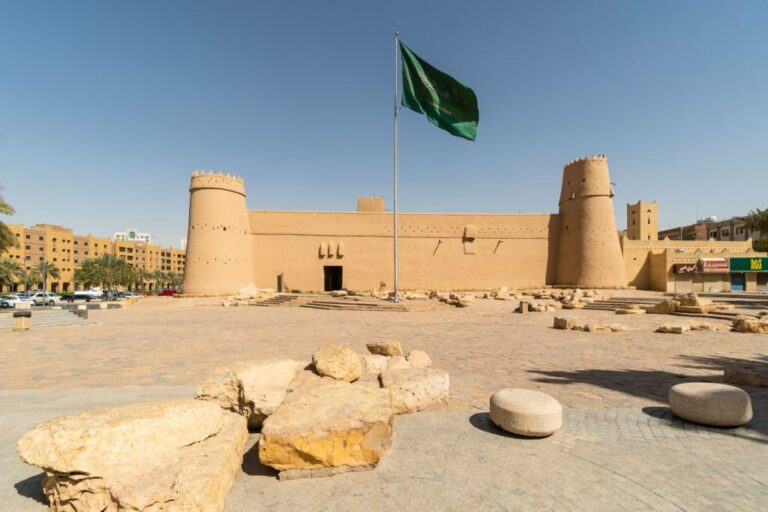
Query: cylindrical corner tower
x=589, y=254
x=218, y=236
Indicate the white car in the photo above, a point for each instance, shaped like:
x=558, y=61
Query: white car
x=10, y=301
x=45, y=299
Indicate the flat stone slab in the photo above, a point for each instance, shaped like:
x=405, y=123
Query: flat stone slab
x=416, y=389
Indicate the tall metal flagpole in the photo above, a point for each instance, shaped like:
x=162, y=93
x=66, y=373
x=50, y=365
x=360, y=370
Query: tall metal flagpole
x=394, y=202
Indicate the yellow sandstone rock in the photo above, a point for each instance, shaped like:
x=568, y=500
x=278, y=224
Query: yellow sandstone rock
x=328, y=424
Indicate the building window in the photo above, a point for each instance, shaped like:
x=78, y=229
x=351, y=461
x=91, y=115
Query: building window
x=725, y=232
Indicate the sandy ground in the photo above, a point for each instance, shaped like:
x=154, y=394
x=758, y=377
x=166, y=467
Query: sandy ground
x=484, y=347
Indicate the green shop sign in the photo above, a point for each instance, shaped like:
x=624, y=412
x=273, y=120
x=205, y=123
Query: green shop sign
x=749, y=264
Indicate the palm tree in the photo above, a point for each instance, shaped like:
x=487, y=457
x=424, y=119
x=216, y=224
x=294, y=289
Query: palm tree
x=46, y=268
x=10, y=271
x=29, y=275
x=7, y=238
x=159, y=277
x=175, y=280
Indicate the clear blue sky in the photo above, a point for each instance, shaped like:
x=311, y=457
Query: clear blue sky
x=107, y=107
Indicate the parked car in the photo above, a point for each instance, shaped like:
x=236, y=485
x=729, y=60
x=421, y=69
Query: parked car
x=10, y=301
x=87, y=297
x=45, y=299
x=168, y=293
x=130, y=295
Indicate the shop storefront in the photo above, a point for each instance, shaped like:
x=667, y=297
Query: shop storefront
x=749, y=274
x=704, y=275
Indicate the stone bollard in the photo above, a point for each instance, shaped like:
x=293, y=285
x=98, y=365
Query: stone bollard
x=22, y=320
x=523, y=307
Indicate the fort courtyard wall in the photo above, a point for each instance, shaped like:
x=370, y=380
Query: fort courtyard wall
x=436, y=251
x=229, y=247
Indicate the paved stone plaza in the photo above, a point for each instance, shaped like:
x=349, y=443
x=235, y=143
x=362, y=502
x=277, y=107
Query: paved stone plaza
x=619, y=449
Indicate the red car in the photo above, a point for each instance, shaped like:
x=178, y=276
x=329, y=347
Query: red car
x=168, y=293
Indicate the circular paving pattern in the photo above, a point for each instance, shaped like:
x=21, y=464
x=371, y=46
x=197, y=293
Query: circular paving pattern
x=602, y=459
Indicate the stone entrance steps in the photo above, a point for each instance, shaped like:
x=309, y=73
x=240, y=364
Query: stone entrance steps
x=46, y=318
x=355, y=305
x=615, y=303
x=287, y=299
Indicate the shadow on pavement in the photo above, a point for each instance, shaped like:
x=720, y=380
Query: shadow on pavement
x=482, y=421
x=252, y=466
x=32, y=488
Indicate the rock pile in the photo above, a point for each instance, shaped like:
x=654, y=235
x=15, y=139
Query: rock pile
x=571, y=324
x=248, y=295
x=750, y=324
x=686, y=303
x=316, y=419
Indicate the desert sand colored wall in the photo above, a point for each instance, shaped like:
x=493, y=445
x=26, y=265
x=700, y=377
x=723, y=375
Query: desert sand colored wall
x=589, y=253
x=436, y=251
x=230, y=247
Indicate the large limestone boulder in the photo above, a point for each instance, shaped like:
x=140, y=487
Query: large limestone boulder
x=416, y=389
x=385, y=348
x=710, y=403
x=397, y=362
x=664, y=307
x=419, y=359
x=750, y=325
x=248, y=291
x=673, y=329
x=253, y=389
x=693, y=300
x=328, y=424
x=338, y=362
x=152, y=456
x=375, y=363
x=526, y=412
x=564, y=323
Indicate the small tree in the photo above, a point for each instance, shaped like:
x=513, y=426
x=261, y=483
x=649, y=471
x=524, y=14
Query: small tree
x=757, y=220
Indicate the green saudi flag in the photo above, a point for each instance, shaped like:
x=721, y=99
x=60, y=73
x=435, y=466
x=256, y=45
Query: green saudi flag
x=446, y=102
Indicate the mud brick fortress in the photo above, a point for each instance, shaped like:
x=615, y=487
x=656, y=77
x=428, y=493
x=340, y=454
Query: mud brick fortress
x=229, y=247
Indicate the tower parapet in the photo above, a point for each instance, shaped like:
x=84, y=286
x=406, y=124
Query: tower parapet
x=219, y=257
x=589, y=254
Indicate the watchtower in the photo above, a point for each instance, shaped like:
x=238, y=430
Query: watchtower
x=218, y=238
x=643, y=221
x=589, y=254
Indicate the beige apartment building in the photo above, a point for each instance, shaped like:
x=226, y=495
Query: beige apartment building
x=67, y=250
x=728, y=230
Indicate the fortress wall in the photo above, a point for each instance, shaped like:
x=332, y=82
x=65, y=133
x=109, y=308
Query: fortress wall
x=590, y=255
x=436, y=251
x=218, y=251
